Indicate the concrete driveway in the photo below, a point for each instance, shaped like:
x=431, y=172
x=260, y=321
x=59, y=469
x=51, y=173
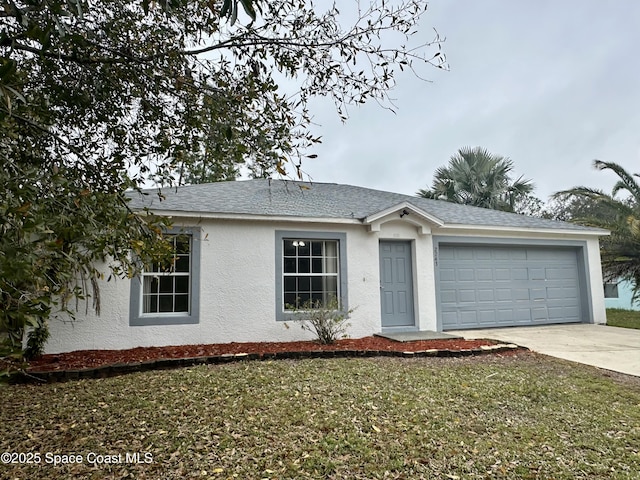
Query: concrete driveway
x=612, y=348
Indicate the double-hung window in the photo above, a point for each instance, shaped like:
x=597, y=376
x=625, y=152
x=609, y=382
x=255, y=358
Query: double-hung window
x=310, y=271
x=165, y=286
x=167, y=292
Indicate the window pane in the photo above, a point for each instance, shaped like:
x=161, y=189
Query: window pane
x=317, y=284
x=150, y=285
x=331, y=265
x=182, y=263
x=182, y=284
x=610, y=290
x=304, y=265
x=331, y=249
x=182, y=244
x=166, y=303
x=182, y=303
x=289, y=301
x=289, y=265
x=289, y=249
x=303, y=298
x=304, y=250
x=149, y=304
x=316, y=249
x=304, y=284
x=289, y=284
x=166, y=284
x=316, y=265
x=331, y=285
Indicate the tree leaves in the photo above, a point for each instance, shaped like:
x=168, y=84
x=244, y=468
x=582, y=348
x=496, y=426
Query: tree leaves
x=476, y=177
x=102, y=97
x=620, y=251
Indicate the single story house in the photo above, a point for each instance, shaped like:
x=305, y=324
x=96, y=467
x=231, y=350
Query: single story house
x=247, y=251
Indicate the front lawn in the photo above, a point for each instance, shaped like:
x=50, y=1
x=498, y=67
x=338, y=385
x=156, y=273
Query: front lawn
x=618, y=317
x=521, y=416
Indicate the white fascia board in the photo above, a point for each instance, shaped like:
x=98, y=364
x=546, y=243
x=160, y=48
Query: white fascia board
x=398, y=208
x=251, y=217
x=542, y=231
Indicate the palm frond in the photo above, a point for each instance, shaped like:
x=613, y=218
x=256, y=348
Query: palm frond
x=627, y=182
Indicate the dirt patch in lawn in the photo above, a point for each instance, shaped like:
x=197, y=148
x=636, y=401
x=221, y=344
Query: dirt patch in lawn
x=96, y=358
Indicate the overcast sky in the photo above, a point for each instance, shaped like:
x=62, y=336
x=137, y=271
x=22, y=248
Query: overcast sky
x=552, y=84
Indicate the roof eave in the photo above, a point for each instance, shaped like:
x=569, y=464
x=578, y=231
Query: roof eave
x=596, y=232
x=251, y=217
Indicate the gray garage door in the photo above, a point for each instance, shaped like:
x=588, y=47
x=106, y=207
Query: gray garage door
x=486, y=286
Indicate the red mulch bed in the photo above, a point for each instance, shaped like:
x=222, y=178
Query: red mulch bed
x=82, y=359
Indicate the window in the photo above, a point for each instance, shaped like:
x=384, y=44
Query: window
x=310, y=268
x=610, y=290
x=168, y=293
x=166, y=286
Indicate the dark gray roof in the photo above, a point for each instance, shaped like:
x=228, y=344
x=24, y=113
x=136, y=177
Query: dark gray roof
x=284, y=198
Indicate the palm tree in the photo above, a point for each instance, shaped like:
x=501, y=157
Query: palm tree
x=474, y=176
x=620, y=251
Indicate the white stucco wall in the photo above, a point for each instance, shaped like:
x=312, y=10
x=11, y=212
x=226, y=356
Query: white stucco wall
x=596, y=282
x=238, y=292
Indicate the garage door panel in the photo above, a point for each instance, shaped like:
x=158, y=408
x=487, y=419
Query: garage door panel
x=448, y=296
x=447, y=275
x=559, y=273
x=520, y=294
x=484, y=274
x=521, y=315
x=465, y=275
x=450, y=318
x=557, y=313
x=536, y=274
x=483, y=254
x=539, y=313
x=481, y=286
x=502, y=274
x=467, y=296
x=487, y=316
x=464, y=254
x=537, y=294
x=468, y=317
x=503, y=294
x=486, y=295
x=519, y=274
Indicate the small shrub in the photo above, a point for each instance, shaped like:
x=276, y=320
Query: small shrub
x=36, y=340
x=325, y=320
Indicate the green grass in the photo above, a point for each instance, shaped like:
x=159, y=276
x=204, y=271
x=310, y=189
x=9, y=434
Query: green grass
x=525, y=416
x=618, y=317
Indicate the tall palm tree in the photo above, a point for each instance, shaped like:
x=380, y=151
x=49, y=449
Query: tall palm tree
x=620, y=251
x=474, y=176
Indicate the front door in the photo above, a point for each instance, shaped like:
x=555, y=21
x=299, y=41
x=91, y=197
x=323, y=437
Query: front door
x=396, y=284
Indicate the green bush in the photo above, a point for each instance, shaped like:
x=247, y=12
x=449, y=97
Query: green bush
x=327, y=321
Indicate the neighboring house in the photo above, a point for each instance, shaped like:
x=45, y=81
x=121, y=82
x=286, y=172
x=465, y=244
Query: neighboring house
x=249, y=250
x=619, y=294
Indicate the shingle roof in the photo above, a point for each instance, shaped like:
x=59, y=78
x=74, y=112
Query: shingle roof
x=282, y=198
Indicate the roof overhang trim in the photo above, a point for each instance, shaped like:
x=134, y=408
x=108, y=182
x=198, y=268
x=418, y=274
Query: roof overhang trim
x=406, y=211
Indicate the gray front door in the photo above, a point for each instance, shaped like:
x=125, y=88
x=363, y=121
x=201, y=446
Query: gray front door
x=396, y=284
